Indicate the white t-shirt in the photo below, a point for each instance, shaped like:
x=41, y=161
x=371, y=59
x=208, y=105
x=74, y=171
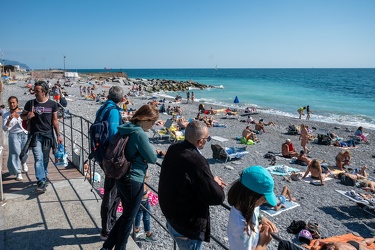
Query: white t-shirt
x=238, y=238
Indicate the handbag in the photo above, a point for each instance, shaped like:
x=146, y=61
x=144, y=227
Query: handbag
x=26, y=123
x=61, y=157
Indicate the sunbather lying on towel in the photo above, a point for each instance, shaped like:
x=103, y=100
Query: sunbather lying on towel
x=281, y=199
x=316, y=171
x=349, y=245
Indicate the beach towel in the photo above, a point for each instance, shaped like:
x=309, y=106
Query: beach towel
x=266, y=208
x=309, y=179
x=340, y=238
x=282, y=170
x=354, y=196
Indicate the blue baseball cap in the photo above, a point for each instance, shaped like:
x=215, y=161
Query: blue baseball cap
x=259, y=180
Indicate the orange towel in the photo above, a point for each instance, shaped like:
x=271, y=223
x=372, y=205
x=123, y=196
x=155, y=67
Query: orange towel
x=340, y=238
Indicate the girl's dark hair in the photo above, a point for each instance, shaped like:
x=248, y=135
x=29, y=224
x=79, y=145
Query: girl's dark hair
x=145, y=113
x=244, y=200
x=12, y=97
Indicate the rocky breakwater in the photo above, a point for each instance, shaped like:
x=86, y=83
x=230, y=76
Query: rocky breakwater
x=156, y=85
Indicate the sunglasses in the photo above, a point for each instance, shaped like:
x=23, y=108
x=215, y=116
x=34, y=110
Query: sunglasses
x=208, y=138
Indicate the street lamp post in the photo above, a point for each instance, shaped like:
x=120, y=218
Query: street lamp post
x=64, y=65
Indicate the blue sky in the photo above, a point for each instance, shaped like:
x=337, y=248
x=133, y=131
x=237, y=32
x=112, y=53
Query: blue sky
x=190, y=34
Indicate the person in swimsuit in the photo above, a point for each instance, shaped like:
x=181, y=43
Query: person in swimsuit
x=349, y=245
x=342, y=159
x=300, y=111
x=281, y=199
x=308, y=112
x=304, y=137
x=316, y=171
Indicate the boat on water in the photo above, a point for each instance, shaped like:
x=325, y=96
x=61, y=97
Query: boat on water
x=107, y=68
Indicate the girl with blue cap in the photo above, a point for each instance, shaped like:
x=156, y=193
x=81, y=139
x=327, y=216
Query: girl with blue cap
x=246, y=228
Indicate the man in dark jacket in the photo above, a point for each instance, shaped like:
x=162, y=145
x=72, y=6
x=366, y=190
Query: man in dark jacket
x=187, y=188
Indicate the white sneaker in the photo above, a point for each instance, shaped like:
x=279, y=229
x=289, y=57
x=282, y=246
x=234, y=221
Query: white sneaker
x=19, y=177
x=25, y=168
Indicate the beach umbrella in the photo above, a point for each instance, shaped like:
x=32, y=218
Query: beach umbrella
x=236, y=100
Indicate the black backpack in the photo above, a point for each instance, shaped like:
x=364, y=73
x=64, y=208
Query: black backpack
x=115, y=165
x=347, y=181
x=99, y=131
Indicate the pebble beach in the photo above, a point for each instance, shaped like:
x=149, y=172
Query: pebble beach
x=335, y=214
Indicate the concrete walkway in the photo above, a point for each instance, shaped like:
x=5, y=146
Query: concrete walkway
x=67, y=216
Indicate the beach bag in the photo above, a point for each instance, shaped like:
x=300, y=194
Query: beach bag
x=61, y=157
x=347, y=181
x=292, y=130
x=296, y=226
x=115, y=165
x=99, y=132
x=218, y=152
x=324, y=140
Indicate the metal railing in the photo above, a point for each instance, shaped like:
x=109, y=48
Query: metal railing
x=75, y=132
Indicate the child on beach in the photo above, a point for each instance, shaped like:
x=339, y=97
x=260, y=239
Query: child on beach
x=144, y=215
x=246, y=228
x=285, y=194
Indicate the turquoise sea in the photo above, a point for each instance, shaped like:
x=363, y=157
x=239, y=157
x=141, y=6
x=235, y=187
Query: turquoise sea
x=344, y=96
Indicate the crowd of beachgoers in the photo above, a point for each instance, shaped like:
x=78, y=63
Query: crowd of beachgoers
x=322, y=204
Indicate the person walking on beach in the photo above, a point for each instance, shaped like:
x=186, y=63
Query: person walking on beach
x=308, y=111
x=187, y=188
x=111, y=199
x=17, y=137
x=187, y=97
x=192, y=97
x=304, y=137
x=41, y=113
x=130, y=186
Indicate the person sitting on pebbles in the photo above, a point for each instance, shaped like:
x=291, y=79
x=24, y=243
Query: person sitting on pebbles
x=247, y=134
x=342, y=159
x=288, y=150
x=316, y=171
x=302, y=158
x=281, y=199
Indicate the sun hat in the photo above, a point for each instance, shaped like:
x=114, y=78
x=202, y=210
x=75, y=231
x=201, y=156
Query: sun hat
x=259, y=180
x=305, y=236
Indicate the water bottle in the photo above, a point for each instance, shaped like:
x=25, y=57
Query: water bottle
x=97, y=177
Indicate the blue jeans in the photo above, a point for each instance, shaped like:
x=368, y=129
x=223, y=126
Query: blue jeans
x=146, y=216
x=16, y=142
x=41, y=157
x=131, y=193
x=183, y=242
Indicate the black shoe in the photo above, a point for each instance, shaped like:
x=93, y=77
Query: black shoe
x=41, y=187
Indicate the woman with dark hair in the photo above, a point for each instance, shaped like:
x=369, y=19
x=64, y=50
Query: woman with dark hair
x=12, y=123
x=130, y=186
x=359, y=132
x=246, y=228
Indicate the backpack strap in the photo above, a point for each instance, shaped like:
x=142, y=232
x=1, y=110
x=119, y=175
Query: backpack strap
x=106, y=114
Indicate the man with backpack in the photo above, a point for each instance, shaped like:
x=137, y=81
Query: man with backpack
x=109, y=112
